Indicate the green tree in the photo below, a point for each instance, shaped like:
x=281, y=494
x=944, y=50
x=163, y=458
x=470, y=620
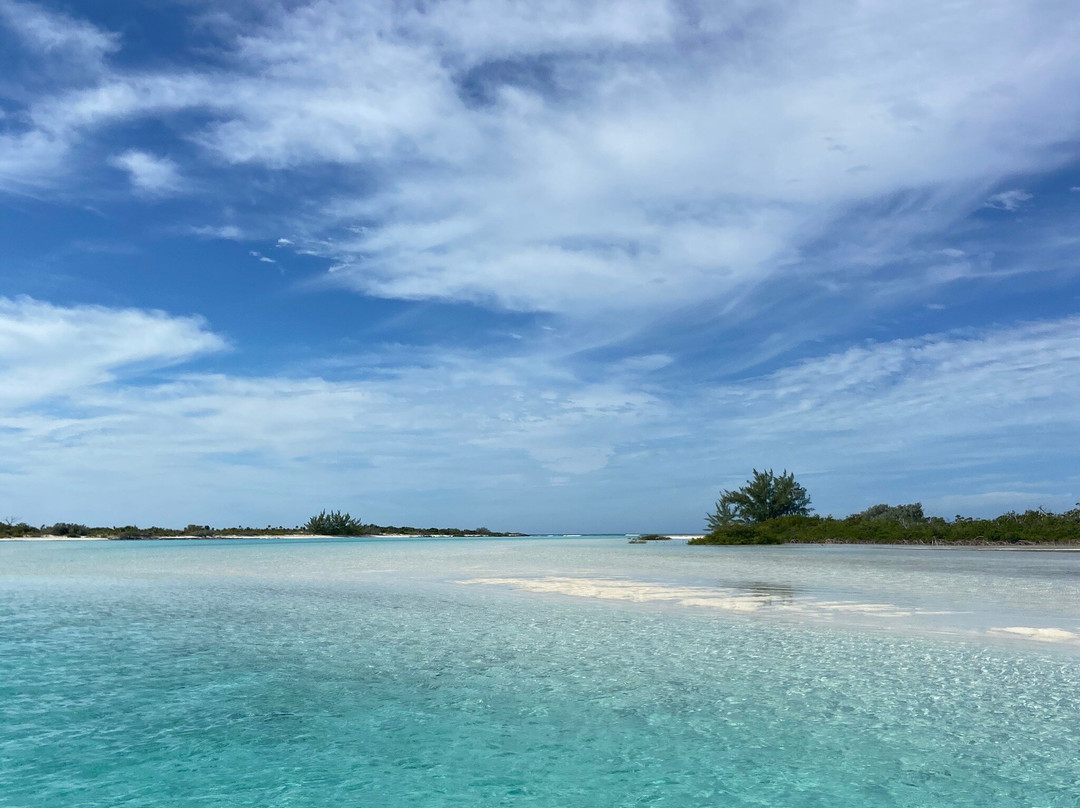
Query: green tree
x=334, y=523
x=765, y=496
x=911, y=514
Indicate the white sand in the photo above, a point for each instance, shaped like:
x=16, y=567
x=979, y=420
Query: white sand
x=52, y=538
x=1040, y=634
x=748, y=603
x=231, y=536
x=697, y=596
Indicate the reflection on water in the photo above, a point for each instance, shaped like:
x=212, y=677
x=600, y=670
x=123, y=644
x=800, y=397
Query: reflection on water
x=768, y=592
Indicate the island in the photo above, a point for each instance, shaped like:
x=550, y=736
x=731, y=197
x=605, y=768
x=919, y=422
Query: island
x=325, y=523
x=775, y=509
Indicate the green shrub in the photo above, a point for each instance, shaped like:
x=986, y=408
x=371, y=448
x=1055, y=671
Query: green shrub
x=334, y=523
x=66, y=529
x=132, y=532
x=904, y=514
x=1031, y=527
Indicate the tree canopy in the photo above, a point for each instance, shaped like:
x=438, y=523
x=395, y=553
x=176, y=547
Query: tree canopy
x=334, y=523
x=911, y=514
x=765, y=496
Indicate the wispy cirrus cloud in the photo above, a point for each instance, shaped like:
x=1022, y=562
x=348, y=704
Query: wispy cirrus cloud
x=657, y=198
x=151, y=175
x=62, y=54
x=1009, y=200
x=617, y=155
x=940, y=385
x=225, y=232
x=48, y=350
x=58, y=35
x=470, y=427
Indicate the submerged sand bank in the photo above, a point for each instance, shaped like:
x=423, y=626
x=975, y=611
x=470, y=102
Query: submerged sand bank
x=53, y=538
x=730, y=600
x=774, y=601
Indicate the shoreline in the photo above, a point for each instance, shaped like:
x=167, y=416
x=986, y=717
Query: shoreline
x=1070, y=547
x=232, y=537
x=1058, y=547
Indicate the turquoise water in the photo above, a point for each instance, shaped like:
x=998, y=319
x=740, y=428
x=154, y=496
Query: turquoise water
x=364, y=673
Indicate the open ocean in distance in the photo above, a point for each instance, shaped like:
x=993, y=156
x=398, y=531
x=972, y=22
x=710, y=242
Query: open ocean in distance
x=535, y=672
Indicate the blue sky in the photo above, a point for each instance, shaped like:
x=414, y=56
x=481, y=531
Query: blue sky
x=565, y=266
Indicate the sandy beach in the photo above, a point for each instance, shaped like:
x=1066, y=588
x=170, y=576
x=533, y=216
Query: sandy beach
x=229, y=536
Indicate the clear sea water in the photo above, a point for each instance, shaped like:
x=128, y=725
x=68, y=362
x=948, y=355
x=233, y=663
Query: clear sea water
x=365, y=673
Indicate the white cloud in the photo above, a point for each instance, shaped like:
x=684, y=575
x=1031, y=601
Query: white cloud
x=1009, y=200
x=621, y=155
x=440, y=421
x=469, y=424
x=34, y=157
x=652, y=180
x=48, y=351
x=950, y=384
x=30, y=159
x=633, y=158
x=998, y=501
x=56, y=34
x=480, y=29
x=156, y=176
x=82, y=353
x=227, y=232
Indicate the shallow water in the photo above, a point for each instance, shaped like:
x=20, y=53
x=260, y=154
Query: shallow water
x=369, y=673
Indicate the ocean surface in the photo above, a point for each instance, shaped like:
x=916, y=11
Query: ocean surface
x=538, y=671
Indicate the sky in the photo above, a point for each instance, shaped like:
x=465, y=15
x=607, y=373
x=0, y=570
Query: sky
x=560, y=266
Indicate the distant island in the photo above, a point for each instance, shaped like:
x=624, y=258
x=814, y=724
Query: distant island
x=775, y=509
x=326, y=523
x=644, y=538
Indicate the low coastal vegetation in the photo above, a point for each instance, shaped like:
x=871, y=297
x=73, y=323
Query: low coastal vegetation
x=326, y=523
x=336, y=523
x=647, y=537
x=1030, y=527
x=774, y=509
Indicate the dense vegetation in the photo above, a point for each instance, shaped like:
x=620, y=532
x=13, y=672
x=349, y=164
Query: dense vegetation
x=773, y=509
x=904, y=524
x=334, y=521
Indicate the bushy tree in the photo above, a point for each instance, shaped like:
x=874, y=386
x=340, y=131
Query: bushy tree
x=765, y=496
x=334, y=523
x=10, y=528
x=66, y=529
x=911, y=514
x=1038, y=527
